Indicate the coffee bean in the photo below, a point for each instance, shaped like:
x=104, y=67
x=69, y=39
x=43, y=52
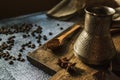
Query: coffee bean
x=33, y=46
x=10, y=57
x=18, y=58
x=61, y=28
x=24, y=36
x=44, y=37
x=19, y=55
x=35, y=24
x=50, y=33
x=21, y=50
x=13, y=58
x=11, y=62
x=38, y=41
x=40, y=44
x=29, y=42
x=6, y=58
x=0, y=39
x=58, y=24
x=22, y=60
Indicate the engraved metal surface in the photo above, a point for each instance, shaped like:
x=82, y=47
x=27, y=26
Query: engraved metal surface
x=94, y=45
x=25, y=70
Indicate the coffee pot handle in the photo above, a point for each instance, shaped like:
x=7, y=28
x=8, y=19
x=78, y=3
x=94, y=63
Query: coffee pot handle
x=116, y=18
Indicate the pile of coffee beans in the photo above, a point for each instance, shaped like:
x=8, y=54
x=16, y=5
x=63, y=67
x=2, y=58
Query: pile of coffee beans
x=27, y=30
x=7, y=57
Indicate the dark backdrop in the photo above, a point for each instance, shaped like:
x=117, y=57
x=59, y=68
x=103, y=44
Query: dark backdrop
x=13, y=8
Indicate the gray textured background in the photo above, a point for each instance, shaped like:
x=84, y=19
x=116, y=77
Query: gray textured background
x=24, y=70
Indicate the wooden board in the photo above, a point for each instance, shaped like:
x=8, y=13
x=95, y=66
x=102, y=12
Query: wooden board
x=46, y=60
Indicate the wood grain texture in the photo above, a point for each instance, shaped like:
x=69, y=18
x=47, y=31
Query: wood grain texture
x=48, y=59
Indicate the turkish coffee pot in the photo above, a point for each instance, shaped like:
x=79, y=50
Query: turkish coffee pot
x=94, y=45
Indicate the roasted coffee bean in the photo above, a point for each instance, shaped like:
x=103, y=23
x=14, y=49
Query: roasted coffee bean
x=9, y=48
x=35, y=24
x=23, y=45
x=38, y=41
x=33, y=46
x=11, y=62
x=0, y=55
x=61, y=28
x=13, y=58
x=50, y=33
x=0, y=39
x=19, y=55
x=22, y=60
x=24, y=36
x=7, y=54
x=40, y=44
x=11, y=37
x=44, y=37
x=6, y=58
x=58, y=24
x=18, y=58
x=21, y=50
x=10, y=57
x=29, y=42
x=3, y=55
x=33, y=34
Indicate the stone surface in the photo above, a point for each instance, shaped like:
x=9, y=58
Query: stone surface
x=25, y=70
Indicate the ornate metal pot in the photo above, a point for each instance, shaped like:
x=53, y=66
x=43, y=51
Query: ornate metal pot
x=94, y=45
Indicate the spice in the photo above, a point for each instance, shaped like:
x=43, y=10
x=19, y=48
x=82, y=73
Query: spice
x=64, y=63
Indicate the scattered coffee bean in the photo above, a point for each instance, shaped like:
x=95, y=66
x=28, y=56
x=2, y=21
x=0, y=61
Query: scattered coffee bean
x=13, y=58
x=40, y=44
x=38, y=41
x=6, y=58
x=61, y=28
x=3, y=55
x=10, y=57
x=21, y=50
x=11, y=62
x=0, y=39
x=58, y=24
x=18, y=58
x=9, y=48
x=33, y=46
x=24, y=36
x=35, y=24
x=44, y=37
x=19, y=55
x=22, y=60
x=29, y=42
x=33, y=34
x=50, y=33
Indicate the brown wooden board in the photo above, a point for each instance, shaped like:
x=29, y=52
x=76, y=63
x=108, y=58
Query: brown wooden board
x=47, y=59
